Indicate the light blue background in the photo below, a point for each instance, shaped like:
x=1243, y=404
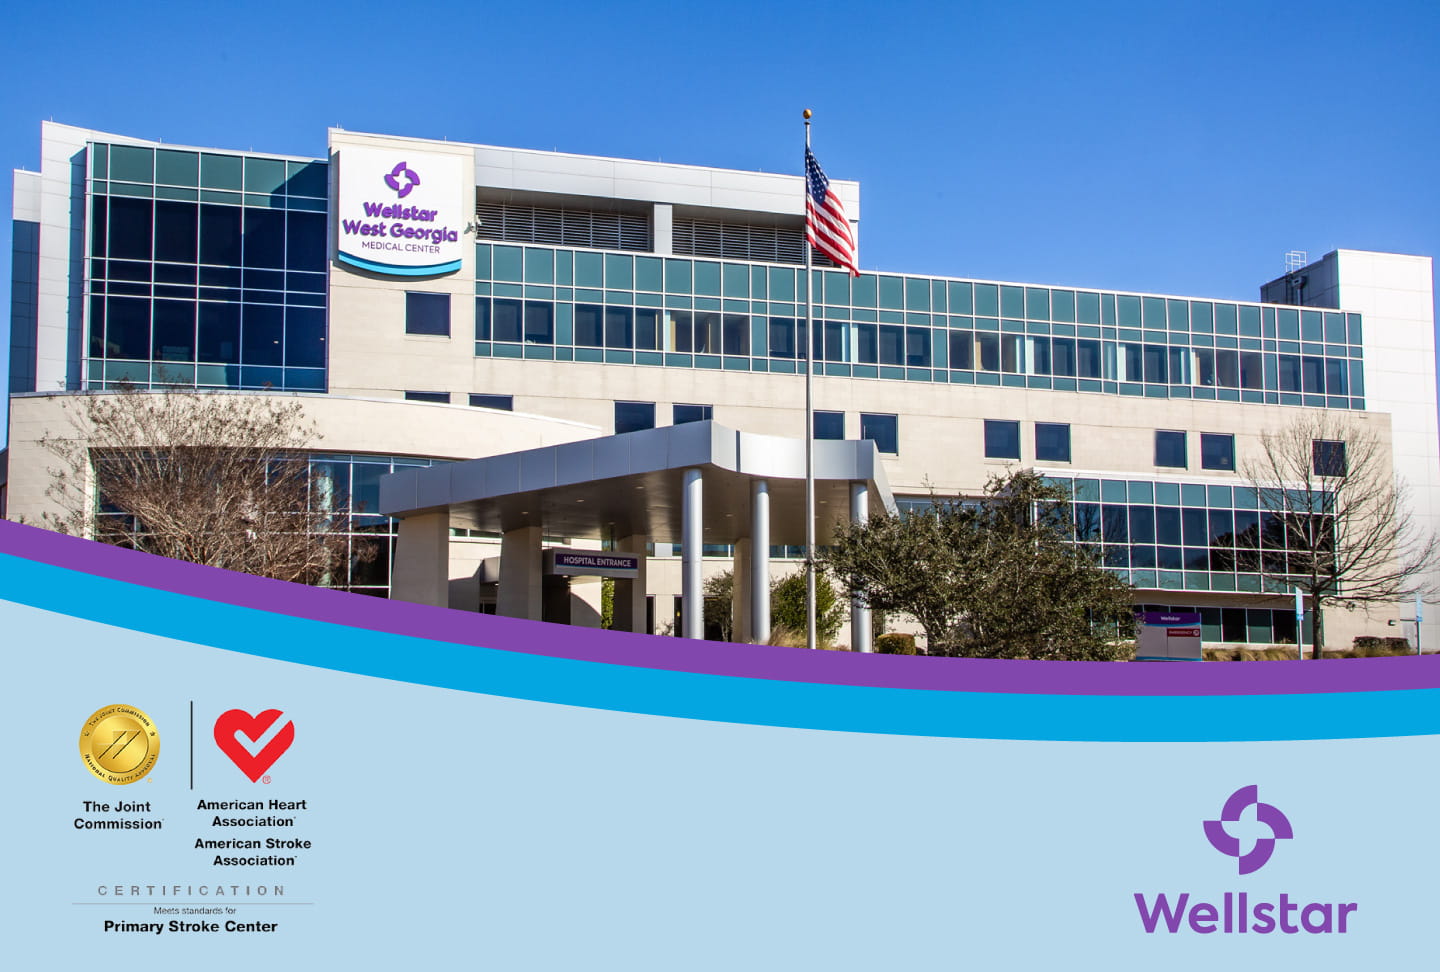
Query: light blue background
x=463, y=830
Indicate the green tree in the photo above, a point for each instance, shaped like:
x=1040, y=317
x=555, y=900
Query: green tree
x=607, y=603
x=787, y=606
x=719, y=590
x=996, y=577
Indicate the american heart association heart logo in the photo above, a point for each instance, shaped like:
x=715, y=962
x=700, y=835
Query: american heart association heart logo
x=227, y=732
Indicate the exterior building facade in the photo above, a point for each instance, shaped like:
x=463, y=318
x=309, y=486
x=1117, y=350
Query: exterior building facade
x=434, y=301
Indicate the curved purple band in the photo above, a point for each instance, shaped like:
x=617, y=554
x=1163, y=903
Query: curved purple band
x=716, y=658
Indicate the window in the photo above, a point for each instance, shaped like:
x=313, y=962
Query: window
x=423, y=396
x=427, y=314
x=680, y=414
x=782, y=337
x=883, y=430
x=1170, y=450
x=539, y=322
x=829, y=425
x=962, y=350
x=619, y=327
x=588, y=325
x=892, y=345
x=1329, y=457
x=1052, y=442
x=1002, y=439
x=634, y=416
x=482, y=318
x=505, y=320
x=1217, y=451
x=505, y=403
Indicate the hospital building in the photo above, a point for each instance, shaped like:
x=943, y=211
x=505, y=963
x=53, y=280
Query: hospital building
x=531, y=370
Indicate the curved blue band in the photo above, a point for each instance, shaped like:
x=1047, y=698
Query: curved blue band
x=287, y=635
x=397, y=271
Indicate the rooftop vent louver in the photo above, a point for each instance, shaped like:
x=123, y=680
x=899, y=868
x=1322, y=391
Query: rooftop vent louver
x=742, y=241
x=588, y=228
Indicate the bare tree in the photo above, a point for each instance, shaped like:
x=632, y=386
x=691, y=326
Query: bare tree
x=213, y=478
x=1334, y=518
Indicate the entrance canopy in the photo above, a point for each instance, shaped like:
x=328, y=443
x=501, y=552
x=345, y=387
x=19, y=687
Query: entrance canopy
x=632, y=484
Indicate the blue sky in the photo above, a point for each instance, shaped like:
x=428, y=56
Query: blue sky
x=1165, y=147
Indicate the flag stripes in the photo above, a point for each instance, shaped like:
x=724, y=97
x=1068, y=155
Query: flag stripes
x=826, y=227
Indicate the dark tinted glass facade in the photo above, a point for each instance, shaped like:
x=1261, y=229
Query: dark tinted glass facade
x=205, y=269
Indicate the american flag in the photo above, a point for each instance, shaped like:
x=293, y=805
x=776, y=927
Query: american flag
x=826, y=227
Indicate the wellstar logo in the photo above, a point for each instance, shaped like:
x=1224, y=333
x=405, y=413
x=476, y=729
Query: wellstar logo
x=401, y=171
x=1242, y=912
x=1220, y=839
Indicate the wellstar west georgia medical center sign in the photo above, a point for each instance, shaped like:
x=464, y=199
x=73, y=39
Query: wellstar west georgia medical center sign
x=400, y=213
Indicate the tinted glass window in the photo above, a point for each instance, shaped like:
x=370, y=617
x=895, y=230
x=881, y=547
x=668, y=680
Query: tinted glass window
x=1052, y=442
x=1002, y=439
x=634, y=416
x=505, y=403
x=917, y=347
x=962, y=350
x=264, y=238
x=1217, y=451
x=619, y=327
x=482, y=319
x=263, y=334
x=829, y=425
x=588, y=326
x=1329, y=456
x=424, y=396
x=1063, y=357
x=681, y=414
x=505, y=320
x=304, y=337
x=305, y=241
x=176, y=231
x=736, y=334
x=883, y=430
x=647, y=329
x=174, y=333
x=219, y=330
x=892, y=345
x=130, y=228
x=782, y=337
x=539, y=322
x=220, y=235
x=1170, y=449
x=427, y=314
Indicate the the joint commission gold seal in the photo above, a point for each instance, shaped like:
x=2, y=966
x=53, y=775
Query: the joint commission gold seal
x=119, y=744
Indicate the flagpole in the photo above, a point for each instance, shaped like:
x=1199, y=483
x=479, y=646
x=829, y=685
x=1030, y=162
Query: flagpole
x=809, y=419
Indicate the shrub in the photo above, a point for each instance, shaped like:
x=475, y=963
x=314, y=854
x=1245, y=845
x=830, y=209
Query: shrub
x=1369, y=646
x=896, y=644
x=787, y=607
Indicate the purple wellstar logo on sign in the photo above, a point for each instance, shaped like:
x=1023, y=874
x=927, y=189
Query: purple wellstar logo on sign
x=1237, y=913
x=1220, y=839
x=401, y=171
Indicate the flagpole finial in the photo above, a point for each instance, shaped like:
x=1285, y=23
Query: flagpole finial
x=807, y=114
